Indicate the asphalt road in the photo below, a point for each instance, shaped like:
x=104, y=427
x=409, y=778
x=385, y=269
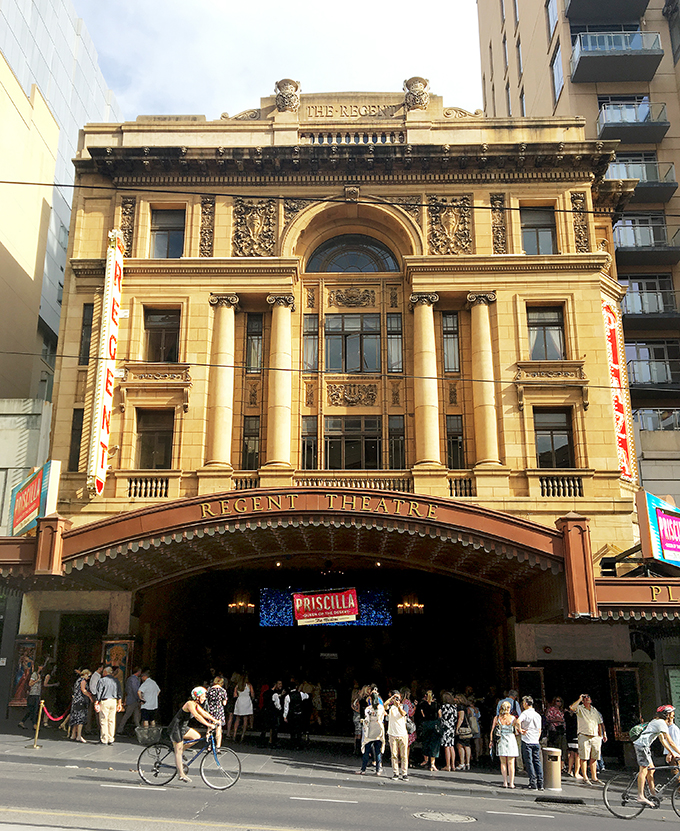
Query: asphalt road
x=52, y=797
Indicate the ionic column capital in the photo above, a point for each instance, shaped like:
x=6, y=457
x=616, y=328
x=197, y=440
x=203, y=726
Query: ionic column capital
x=423, y=299
x=229, y=300
x=483, y=298
x=286, y=300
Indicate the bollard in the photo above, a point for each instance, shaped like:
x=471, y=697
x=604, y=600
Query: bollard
x=35, y=744
x=552, y=768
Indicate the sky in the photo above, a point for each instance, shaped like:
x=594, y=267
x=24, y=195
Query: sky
x=208, y=57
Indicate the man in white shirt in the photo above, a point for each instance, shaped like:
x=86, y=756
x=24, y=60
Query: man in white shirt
x=530, y=728
x=590, y=728
x=148, y=695
x=92, y=684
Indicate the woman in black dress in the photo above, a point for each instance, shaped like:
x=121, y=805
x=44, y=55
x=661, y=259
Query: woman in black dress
x=179, y=730
x=80, y=703
x=429, y=715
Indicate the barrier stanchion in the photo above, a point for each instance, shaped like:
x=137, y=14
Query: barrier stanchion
x=35, y=744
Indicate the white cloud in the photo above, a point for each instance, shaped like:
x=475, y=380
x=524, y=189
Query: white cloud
x=211, y=56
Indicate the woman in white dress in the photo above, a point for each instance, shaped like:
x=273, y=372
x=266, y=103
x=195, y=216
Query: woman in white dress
x=243, y=708
x=506, y=745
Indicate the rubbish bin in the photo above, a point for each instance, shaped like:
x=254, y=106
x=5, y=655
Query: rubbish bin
x=552, y=768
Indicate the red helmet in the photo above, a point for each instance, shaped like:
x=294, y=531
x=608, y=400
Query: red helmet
x=665, y=709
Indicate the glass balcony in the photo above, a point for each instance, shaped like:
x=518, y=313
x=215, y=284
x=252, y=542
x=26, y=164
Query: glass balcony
x=654, y=372
x=656, y=419
x=615, y=57
x=656, y=181
x=659, y=302
x=646, y=244
x=604, y=11
x=643, y=123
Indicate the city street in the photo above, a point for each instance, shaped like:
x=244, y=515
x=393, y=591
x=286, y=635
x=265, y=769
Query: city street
x=93, y=787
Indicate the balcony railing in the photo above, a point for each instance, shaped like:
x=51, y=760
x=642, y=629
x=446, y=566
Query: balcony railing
x=653, y=244
x=388, y=480
x=656, y=181
x=604, y=11
x=650, y=302
x=560, y=486
x=654, y=372
x=148, y=487
x=655, y=419
x=599, y=57
x=644, y=122
x=461, y=484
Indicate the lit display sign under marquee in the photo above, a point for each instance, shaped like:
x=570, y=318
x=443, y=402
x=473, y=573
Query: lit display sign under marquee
x=618, y=379
x=325, y=607
x=35, y=497
x=98, y=457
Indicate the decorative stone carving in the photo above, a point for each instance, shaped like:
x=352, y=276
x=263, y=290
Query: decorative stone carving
x=422, y=299
x=207, y=226
x=498, y=224
x=292, y=207
x=127, y=221
x=246, y=115
x=282, y=300
x=252, y=395
x=550, y=374
x=351, y=298
x=309, y=395
x=254, y=224
x=311, y=297
x=352, y=193
x=410, y=204
x=352, y=395
x=450, y=223
x=171, y=378
x=230, y=300
x=580, y=217
x=287, y=95
x=396, y=398
x=394, y=297
x=475, y=298
x=603, y=247
x=453, y=394
x=417, y=93
x=459, y=112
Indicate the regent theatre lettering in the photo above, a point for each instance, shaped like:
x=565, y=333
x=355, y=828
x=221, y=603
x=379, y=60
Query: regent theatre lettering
x=350, y=111
x=407, y=508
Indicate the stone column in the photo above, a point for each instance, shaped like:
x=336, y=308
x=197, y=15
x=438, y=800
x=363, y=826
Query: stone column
x=425, y=386
x=221, y=406
x=280, y=384
x=483, y=383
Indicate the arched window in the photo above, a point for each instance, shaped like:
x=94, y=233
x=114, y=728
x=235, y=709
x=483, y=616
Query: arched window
x=352, y=252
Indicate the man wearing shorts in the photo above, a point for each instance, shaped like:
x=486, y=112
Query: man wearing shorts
x=590, y=728
x=658, y=728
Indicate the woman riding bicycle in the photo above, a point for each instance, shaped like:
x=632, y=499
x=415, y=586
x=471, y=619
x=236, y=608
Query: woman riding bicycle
x=180, y=731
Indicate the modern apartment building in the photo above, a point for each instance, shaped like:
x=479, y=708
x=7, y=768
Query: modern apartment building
x=615, y=63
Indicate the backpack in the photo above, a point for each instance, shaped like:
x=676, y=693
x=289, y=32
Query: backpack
x=635, y=732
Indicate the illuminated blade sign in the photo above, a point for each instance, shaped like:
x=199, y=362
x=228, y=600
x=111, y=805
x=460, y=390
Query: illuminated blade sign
x=35, y=497
x=98, y=456
x=325, y=607
x=659, y=528
x=618, y=379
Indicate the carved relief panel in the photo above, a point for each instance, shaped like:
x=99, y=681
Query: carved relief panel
x=254, y=227
x=450, y=225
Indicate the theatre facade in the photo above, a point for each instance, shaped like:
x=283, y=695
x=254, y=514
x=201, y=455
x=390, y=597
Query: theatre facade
x=442, y=445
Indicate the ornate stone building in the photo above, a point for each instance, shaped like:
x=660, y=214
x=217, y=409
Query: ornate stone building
x=364, y=339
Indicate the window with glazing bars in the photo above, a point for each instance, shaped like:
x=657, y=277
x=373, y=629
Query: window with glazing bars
x=85, y=334
x=450, y=338
x=539, y=234
x=396, y=442
x=353, y=442
x=455, y=456
x=251, y=443
x=309, y=460
x=352, y=343
x=76, y=439
x=310, y=343
x=254, y=342
x=395, y=359
x=554, y=439
x=154, y=439
x=546, y=333
x=167, y=234
x=162, y=335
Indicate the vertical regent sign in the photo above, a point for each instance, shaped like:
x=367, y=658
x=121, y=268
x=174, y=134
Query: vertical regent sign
x=618, y=379
x=98, y=457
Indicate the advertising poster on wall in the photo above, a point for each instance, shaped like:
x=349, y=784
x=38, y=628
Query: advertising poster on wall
x=659, y=528
x=325, y=607
x=33, y=498
x=26, y=652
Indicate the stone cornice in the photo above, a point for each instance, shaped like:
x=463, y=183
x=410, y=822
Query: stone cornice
x=501, y=264
x=276, y=267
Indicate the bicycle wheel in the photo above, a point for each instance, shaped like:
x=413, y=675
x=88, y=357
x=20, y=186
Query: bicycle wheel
x=156, y=764
x=675, y=798
x=620, y=796
x=220, y=769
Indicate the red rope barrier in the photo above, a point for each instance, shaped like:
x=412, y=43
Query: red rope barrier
x=54, y=718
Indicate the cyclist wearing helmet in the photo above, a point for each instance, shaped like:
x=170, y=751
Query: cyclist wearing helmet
x=656, y=729
x=179, y=729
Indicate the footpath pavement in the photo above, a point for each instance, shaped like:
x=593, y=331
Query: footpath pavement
x=326, y=760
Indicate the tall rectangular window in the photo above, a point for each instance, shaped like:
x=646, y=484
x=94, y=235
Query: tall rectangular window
x=309, y=460
x=505, y=53
x=522, y=104
x=395, y=357
x=76, y=439
x=161, y=327
x=551, y=12
x=254, y=342
x=455, y=457
x=154, y=439
x=450, y=338
x=353, y=442
x=352, y=343
x=539, y=234
x=508, y=101
x=310, y=343
x=396, y=442
x=515, y=8
x=85, y=334
x=502, y=4
x=520, y=65
x=167, y=234
x=251, y=443
x=557, y=73
x=554, y=440
x=546, y=333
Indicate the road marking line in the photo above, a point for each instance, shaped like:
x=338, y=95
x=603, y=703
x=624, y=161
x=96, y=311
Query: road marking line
x=511, y=814
x=134, y=787
x=316, y=799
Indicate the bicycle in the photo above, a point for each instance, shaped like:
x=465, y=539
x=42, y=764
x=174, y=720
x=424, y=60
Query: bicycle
x=620, y=793
x=220, y=768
